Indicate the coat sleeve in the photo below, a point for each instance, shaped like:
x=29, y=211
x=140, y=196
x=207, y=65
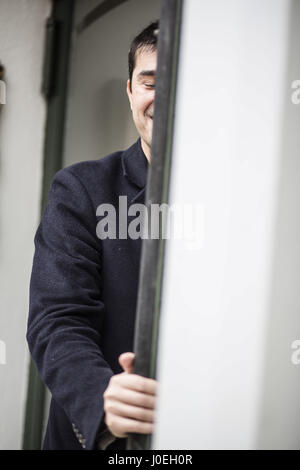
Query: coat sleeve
x=66, y=311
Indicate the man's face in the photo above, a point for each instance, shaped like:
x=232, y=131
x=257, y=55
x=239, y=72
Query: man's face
x=141, y=96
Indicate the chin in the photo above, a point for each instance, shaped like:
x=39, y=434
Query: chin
x=148, y=142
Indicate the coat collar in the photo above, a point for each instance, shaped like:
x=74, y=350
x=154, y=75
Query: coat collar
x=135, y=165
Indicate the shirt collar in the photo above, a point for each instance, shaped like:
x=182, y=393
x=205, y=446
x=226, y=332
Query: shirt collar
x=135, y=164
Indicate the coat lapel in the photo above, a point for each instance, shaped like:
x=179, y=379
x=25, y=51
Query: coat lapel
x=135, y=168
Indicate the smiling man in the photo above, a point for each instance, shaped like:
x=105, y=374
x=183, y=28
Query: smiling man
x=83, y=289
x=140, y=90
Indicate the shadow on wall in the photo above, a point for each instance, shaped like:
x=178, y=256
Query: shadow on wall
x=114, y=118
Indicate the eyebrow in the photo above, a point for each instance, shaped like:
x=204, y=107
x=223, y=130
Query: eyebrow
x=146, y=73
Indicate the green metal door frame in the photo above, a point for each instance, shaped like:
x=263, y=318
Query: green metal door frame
x=54, y=88
x=152, y=260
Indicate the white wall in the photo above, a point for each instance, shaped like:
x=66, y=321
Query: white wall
x=22, y=121
x=231, y=309
x=280, y=406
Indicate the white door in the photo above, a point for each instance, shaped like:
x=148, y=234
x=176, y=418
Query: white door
x=229, y=376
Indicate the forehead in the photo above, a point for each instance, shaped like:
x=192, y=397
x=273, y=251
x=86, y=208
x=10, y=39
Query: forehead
x=145, y=59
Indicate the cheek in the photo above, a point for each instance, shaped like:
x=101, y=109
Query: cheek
x=143, y=101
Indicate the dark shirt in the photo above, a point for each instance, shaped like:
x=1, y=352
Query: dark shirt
x=83, y=294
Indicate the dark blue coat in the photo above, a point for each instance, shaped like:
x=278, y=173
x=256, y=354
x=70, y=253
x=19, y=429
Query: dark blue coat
x=83, y=294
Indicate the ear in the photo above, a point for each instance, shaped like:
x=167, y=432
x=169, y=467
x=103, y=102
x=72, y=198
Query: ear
x=129, y=94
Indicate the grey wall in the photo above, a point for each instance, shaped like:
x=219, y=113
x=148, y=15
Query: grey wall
x=21, y=149
x=99, y=118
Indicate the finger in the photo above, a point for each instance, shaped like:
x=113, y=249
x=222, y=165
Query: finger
x=131, y=397
x=126, y=361
x=121, y=426
x=129, y=411
x=137, y=383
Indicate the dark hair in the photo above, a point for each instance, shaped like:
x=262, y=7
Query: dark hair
x=146, y=39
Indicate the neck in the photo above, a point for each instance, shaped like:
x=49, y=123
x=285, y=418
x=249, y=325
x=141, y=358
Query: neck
x=146, y=150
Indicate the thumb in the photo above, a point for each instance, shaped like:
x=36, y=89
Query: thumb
x=126, y=361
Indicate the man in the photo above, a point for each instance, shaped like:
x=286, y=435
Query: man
x=83, y=288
